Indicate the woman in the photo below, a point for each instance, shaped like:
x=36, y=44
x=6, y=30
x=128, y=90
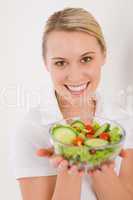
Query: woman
x=74, y=52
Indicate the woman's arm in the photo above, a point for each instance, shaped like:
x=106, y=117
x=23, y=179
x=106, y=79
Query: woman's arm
x=67, y=186
x=37, y=188
x=107, y=185
x=43, y=188
x=126, y=170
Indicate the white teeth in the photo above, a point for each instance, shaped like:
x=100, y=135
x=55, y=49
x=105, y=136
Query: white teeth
x=77, y=88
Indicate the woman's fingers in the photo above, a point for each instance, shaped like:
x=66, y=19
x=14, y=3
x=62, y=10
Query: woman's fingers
x=63, y=165
x=103, y=168
x=45, y=152
x=59, y=161
x=112, y=165
x=73, y=170
x=123, y=153
x=108, y=164
x=55, y=160
x=81, y=172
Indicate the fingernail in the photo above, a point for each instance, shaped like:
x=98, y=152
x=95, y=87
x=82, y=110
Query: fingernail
x=90, y=172
x=62, y=165
x=123, y=153
x=41, y=152
x=59, y=169
x=103, y=167
x=81, y=173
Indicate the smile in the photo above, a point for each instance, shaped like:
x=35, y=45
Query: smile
x=77, y=89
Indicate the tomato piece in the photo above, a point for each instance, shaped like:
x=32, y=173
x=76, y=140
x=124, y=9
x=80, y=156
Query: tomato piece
x=88, y=126
x=90, y=129
x=78, y=141
x=104, y=136
x=89, y=135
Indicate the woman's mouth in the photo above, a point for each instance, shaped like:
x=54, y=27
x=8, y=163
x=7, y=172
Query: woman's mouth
x=77, y=89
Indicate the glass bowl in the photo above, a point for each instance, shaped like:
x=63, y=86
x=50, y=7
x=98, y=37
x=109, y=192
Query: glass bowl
x=84, y=156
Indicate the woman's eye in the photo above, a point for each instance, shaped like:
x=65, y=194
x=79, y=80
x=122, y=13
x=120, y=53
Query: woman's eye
x=86, y=59
x=60, y=63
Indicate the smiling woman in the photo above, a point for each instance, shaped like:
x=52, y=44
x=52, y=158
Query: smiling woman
x=75, y=68
x=74, y=51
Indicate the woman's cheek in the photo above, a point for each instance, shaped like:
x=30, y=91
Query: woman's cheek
x=58, y=81
x=96, y=78
x=57, y=75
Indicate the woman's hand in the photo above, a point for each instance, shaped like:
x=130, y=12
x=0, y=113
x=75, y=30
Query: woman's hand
x=107, y=185
x=126, y=170
x=59, y=162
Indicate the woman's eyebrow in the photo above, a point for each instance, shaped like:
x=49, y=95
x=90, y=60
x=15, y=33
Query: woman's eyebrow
x=84, y=54
x=89, y=52
x=55, y=58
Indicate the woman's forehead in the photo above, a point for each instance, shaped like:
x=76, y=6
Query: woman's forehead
x=63, y=42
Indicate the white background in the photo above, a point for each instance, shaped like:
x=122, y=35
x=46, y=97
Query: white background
x=23, y=75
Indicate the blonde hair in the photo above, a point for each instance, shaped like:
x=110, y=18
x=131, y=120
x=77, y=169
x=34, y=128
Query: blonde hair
x=73, y=19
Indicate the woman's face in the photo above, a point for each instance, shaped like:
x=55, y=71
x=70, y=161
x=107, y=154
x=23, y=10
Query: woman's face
x=74, y=60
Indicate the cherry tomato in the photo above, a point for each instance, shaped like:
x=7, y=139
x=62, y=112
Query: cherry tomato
x=89, y=129
x=88, y=126
x=104, y=136
x=78, y=141
x=89, y=135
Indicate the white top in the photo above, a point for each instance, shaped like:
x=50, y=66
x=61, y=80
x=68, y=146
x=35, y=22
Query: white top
x=32, y=134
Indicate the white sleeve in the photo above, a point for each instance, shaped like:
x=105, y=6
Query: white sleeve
x=26, y=139
x=128, y=126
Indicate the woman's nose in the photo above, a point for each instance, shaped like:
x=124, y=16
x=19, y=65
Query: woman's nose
x=75, y=74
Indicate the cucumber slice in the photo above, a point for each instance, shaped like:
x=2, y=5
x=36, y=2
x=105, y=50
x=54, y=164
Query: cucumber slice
x=78, y=124
x=115, y=134
x=55, y=126
x=105, y=127
x=95, y=125
x=115, y=130
x=96, y=142
x=70, y=151
x=64, y=134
